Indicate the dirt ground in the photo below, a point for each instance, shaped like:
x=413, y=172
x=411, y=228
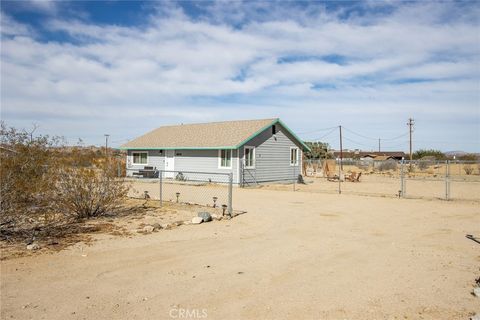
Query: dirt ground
x=292, y=255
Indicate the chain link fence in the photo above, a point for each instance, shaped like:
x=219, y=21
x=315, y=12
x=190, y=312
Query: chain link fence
x=430, y=179
x=208, y=189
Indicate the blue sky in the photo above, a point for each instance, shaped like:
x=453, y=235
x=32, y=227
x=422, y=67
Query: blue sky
x=84, y=68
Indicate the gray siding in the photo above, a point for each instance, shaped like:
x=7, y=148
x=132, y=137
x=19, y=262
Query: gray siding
x=272, y=157
x=187, y=160
x=204, y=161
x=156, y=159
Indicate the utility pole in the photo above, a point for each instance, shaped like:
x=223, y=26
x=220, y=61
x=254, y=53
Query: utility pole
x=379, y=144
x=341, y=149
x=106, y=145
x=410, y=128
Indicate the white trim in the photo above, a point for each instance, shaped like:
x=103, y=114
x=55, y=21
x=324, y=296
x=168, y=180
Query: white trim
x=245, y=159
x=220, y=158
x=139, y=164
x=290, y=157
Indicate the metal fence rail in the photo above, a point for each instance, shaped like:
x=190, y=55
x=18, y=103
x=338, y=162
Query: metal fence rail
x=440, y=179
x=209, y=189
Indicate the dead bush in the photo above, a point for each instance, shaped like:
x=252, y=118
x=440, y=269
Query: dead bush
x=423, y=165
x=89, y=192
x=468, y=169
x=387, y=165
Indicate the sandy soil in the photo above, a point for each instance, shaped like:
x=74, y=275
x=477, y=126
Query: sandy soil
x=293, y=255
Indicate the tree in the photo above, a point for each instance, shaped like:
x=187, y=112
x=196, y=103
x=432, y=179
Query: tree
x=319, y=150
x=419, y=154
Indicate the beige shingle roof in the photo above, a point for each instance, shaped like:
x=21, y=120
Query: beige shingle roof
x=228, y=134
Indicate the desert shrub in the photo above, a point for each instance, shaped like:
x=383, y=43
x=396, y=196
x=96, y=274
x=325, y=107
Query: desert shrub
x=387, y=165
x=89, y=192
x=27, y=176
x=362, y=165
x=43, y=183
x=468, y=157
x=468, y=169
x=423, y=165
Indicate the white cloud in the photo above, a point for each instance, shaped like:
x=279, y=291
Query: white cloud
x=179, y=69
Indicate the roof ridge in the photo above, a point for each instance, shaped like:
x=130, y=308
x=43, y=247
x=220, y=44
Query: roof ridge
x=213, y=122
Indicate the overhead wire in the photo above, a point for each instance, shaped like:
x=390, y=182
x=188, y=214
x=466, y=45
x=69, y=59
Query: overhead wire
x=317, y=130
x=328, y=133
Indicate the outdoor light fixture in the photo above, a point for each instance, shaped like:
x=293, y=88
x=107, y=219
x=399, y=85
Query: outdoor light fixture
x=215, y=202
x=178, y=195
x=224, y=207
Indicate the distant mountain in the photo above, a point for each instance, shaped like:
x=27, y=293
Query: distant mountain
x=458, y=154
x=455, y=153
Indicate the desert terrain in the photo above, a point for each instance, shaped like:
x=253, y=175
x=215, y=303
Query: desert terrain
x=291, y=255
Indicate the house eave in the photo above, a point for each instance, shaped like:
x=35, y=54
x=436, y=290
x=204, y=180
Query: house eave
x=178, y=148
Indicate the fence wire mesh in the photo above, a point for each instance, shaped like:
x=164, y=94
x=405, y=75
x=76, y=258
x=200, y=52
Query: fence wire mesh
x=452, y=179
x=208, y=189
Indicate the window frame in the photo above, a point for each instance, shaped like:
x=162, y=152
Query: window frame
x=139, y=152
x=252, y=150
x=220, y=158
x=297, y=162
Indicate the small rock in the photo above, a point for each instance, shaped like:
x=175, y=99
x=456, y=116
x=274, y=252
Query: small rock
x=475, y=317
x=216, y=216
x=148, y=229
x=197, y=220
x=476, y=291
x=157, y=226
x=205, y=216
x=33, y=246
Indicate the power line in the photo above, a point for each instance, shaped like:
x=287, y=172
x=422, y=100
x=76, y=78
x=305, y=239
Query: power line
x=328, y=133
x=317, y=130
x=358, y=134
x=376, y=139
x=395, y=138
x=356, y=142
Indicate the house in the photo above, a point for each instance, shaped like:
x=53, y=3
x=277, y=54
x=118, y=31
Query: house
x=374, y=157
x=254, y=151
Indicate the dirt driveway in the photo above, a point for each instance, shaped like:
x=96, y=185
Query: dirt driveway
x=293, y=255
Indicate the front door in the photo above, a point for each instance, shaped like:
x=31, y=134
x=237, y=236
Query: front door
x=169, y=163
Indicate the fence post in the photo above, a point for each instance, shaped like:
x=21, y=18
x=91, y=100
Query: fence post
x=160, y=174
x=402, y=180
x=340, y=176
x=230, y=195
x=447, y=180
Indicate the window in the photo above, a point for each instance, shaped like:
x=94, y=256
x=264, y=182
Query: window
x=225, y=159
x=274, y=130
x=249, y=157
x=140, y=157
x=294, y=156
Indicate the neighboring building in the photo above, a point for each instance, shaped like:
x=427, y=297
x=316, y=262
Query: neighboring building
x=371, y=155
x=253, y=150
